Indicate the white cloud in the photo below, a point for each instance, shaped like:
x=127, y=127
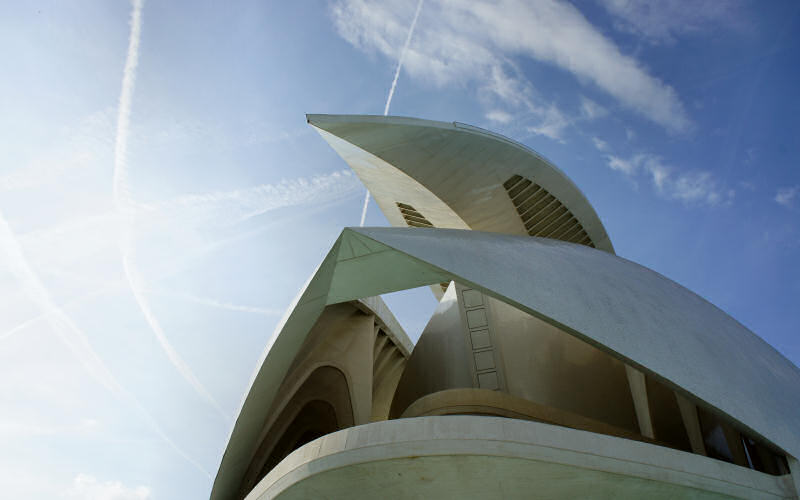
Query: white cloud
x=458, y=41
x=664, y=20
x=786, y=195
x=600, y=144
x=659, y=173
x=84, y=145
x=87, y=487
x=499, y=116
x=552, y=123
x=627, y=167
x=591, y=110
x=692, y=187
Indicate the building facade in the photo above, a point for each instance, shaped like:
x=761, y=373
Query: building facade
x=551, y=368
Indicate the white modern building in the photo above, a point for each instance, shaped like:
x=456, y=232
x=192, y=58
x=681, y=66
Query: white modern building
x=551, y=368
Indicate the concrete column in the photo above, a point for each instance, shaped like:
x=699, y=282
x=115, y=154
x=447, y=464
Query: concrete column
x=636, y=381
x=692, y=424
x=735, y=444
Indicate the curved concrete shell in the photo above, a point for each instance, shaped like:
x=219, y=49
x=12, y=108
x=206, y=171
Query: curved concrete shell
x=452, y=175
x=488, y=457
x=620, y=307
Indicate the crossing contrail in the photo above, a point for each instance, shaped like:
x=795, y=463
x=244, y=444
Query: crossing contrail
x=71, y=334
x=126, y=206
x=394, y=85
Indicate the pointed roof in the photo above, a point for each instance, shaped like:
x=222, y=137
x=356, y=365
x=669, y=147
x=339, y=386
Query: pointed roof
x=452, y=175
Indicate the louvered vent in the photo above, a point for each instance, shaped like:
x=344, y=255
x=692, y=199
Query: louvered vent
x=415, y=219
x=412, y=217
x=542, y=213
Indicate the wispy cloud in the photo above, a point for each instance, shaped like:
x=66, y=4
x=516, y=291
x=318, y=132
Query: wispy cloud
x=237, y=205
x=664, y=21
x=462, y=41
x=88, y=487
x=591, y=110
x=206, y=301
x=552, y=123
x=786, y=195
x=70, y=334
x=688, y=186
x=626, y=166
x=62, y=324
x=499, y=116
x=84, y=144
x=600, y=144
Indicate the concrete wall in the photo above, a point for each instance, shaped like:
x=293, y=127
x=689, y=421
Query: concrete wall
x=486, y=457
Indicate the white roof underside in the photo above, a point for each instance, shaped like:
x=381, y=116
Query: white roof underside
x=461, y=177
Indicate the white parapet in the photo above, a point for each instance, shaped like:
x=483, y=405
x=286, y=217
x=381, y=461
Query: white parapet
x=463, y=456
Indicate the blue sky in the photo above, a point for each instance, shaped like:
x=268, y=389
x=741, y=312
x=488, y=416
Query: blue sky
x=162, y=199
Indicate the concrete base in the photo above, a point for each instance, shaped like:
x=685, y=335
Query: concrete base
x=462, y=456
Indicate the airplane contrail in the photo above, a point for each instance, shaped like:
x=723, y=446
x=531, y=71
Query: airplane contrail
x=402, y=57
x=71, y=334
x=121, y=194
x=391, y=89
x=206, y=301
x=126, y=206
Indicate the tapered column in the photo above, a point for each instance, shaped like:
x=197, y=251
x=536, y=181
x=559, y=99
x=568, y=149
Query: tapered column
x=638, y=386
x=692, y=424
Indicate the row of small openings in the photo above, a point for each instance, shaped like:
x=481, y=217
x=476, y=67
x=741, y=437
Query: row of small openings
x=415, y=219
x=412, y=216
x=543, y=214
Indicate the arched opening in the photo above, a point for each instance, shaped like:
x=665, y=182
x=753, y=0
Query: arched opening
x=320, y=406
x=314, y=420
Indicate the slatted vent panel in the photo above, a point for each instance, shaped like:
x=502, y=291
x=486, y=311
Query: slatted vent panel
x=412, y=217
x=415, y=219
x=542, y=213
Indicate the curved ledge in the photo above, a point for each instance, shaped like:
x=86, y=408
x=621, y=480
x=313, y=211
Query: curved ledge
x=487, y=402
x=473, y=456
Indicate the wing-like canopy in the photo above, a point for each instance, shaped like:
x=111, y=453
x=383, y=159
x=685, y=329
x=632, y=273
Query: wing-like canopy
x=627, y=310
